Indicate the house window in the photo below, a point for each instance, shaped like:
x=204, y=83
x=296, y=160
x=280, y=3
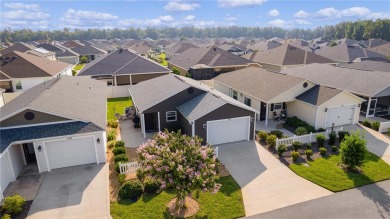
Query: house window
x=109, y=83
x=171, y=116
x=18, y=85
x=235, y=95
x=278, y=106
x=247, y=101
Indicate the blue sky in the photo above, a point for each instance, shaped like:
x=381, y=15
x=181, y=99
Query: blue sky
x=55, y=14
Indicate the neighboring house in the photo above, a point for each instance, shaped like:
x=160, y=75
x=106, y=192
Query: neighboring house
x=264, y=46
x=40, y=52
x=72, y=44
x=62, y=54
x=59, y=123
x=2, y=101
x=178, y=48
x=211, y=57
x=367, y=65
x=178, y=103
x=373, y=86
x=347, y=53
x=90, y=52
x=235, y=49
x=270, y=93
x=121, y=69
x=142, y=49
x=21, y=71
x=383, y=49
x=286, y=56
x=20, y=47
x=104, y=46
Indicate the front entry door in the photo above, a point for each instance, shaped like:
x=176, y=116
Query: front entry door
x=263, y=110
x=150, y=122
x=29, y=153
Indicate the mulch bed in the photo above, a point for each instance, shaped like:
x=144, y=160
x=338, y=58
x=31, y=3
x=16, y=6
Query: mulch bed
x=190, y=209
x=286, y=157
x=23, y=215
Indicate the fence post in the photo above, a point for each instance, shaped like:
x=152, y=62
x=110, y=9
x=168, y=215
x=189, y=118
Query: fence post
x=277, y=144
x=311, y=136
x=294, y=138
x=216, y=151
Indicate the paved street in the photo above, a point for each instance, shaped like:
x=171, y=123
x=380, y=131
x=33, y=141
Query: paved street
x=371, y=201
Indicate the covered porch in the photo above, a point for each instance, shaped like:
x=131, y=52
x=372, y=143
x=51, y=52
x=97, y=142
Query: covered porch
x=133, y=137
x=376, y=107
x=272, y=125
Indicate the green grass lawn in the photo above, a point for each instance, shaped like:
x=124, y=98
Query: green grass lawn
x=117, y=105
x=78, y=67
x=162, y=56
x=326, y=173
x=227, y=203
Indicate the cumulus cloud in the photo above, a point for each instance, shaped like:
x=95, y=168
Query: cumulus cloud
x=20, y=6
x=25, y=15
x=302, y=22
x=280, y=23
x=87, y=19
x=273, y=13
x=231, y=18
x=349, y=12
x=189, y=17
x=379, y=15
x=301, y=14
x=180, y=6
x=238, y=3
x=167, y=18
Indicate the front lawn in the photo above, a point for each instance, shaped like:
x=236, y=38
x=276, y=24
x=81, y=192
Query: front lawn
x=117, y=105
x=78, y=67
x=227, y=203
x=326, y=173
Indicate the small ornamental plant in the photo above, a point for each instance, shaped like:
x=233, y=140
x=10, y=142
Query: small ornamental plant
x=308, y=153
x=323, y=151
x=320, y=140
x=262, y=135
x=271, y=140
x=295, y=156
x=353, y=149
x=180, y=162
x=281, y=149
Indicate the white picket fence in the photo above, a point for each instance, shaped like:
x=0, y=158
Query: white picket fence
x=128, y=167
x=310, y=138
x=216, y=151
x=384, y=127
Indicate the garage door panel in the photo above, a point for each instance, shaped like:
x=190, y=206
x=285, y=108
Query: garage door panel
x=230, y=130
x=71, y=152
x=340, y=115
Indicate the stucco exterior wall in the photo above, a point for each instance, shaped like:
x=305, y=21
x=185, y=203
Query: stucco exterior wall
x=303, y=111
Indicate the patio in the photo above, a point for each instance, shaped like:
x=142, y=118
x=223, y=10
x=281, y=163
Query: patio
x=132, y=137
x=260, y=126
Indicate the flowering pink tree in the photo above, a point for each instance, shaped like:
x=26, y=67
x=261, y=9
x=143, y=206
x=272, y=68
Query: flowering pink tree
x=180, y=162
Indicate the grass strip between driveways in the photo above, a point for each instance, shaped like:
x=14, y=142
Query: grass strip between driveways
x=326, y=173
x=78, y=67
x=117, y=105
x=227, y=203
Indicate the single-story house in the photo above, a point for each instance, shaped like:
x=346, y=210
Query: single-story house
x=21, y=71
x=58, y=123
x=62, y=53
x=40, y=52
x=20, y=47
x=122, y=68
x=271, y=93
x=89, y=51
x=175, y=102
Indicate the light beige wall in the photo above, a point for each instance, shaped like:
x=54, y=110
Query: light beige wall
x=303, y=111
x=271, y=67
x=341, y=99
x=292, y=93
x=222, y=88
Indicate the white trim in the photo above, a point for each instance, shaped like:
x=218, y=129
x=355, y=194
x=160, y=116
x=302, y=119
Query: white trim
x=254, y=126
x=315, y=119
x=143, y=124
x=131, y=80
x=24, y=155
x=1, y=194
x=354, y=114
x=95, y=148
x=158, y=120
x=46, y=157
x=11, y=166
x=36, y=124
x=266, y=113
x=166, y=116
x=35, y=151
x=193, y=129
x=249, y=128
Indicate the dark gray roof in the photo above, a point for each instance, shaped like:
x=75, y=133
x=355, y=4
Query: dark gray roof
x=20, y=47
x=122, y=62
x=87, y=50
x=200, y=106
x=264, y=46
x=180, y=47
x=68, y=53
x=360, y=82
x=78, y=98
x=8, y=136
x=318, y=95
x=51, y=47
x=368, y=65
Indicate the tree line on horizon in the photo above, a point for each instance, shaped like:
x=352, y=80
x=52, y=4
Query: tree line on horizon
x=358, y=30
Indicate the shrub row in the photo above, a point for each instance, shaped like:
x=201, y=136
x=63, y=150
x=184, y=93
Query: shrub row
x=374, y=125
x=13, y=204
x=133, y=189
x=295, y=123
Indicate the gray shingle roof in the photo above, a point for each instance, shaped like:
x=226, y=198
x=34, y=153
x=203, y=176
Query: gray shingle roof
x=121, y=62
x=367, y=65
x=200, y=106
x=318, y=95
x=366, y=83
x=87, y=50
x=20, y=47
x=77, y=98
x=7, y=136
x=180, y=47
x=345, y=53
x=264, y=46
x=258, y=82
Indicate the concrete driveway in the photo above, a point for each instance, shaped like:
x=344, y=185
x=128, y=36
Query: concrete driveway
x=377, y=143
x=371, y=201
x=73, y=192
x=266, y=183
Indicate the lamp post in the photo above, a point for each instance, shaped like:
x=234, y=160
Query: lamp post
x=332, y=127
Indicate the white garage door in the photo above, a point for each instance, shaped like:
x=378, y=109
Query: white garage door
x=70, y=152
x=340, y=115
x=228, y=130
x=6, y=176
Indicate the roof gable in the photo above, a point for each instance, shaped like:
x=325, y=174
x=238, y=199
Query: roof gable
x=318, y=95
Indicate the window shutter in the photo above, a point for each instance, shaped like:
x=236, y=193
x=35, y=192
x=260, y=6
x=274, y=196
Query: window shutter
x=284, y=105
x=272, y=107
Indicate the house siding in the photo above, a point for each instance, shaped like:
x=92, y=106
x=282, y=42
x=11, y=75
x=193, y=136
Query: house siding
x=170, y=104
x=225, y=112
x=136, y=78
x=185, y=126
x=303, y=111
x=17, y=159
x=271, y=67
x=40, y=117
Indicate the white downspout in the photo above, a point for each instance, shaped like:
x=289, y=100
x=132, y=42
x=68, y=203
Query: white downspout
x=266, y=114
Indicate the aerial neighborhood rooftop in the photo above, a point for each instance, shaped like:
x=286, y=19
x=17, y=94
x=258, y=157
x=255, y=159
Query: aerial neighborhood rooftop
x=152, y=124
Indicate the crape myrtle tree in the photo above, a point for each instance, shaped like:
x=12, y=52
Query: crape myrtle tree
x=179, y=162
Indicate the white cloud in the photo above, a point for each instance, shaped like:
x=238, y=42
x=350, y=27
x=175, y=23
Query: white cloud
x=167, y=18
x=280, y=23
x=25, y=15
x=157, y=22
x=302, y=22
x=349, y=12
x=87, y=19
x=231, y=18
x=355, y=12
x=189, y=17
x=238, y=3
x=19, y=6
x=379, y=15
x=181, y=6
x=273, y=13
x=301, y=14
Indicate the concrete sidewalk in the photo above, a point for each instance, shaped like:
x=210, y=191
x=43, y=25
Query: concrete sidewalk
x=266, y=183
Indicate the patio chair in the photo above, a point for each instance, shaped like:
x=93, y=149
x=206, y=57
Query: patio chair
x=276, y=117
x=283, y=115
